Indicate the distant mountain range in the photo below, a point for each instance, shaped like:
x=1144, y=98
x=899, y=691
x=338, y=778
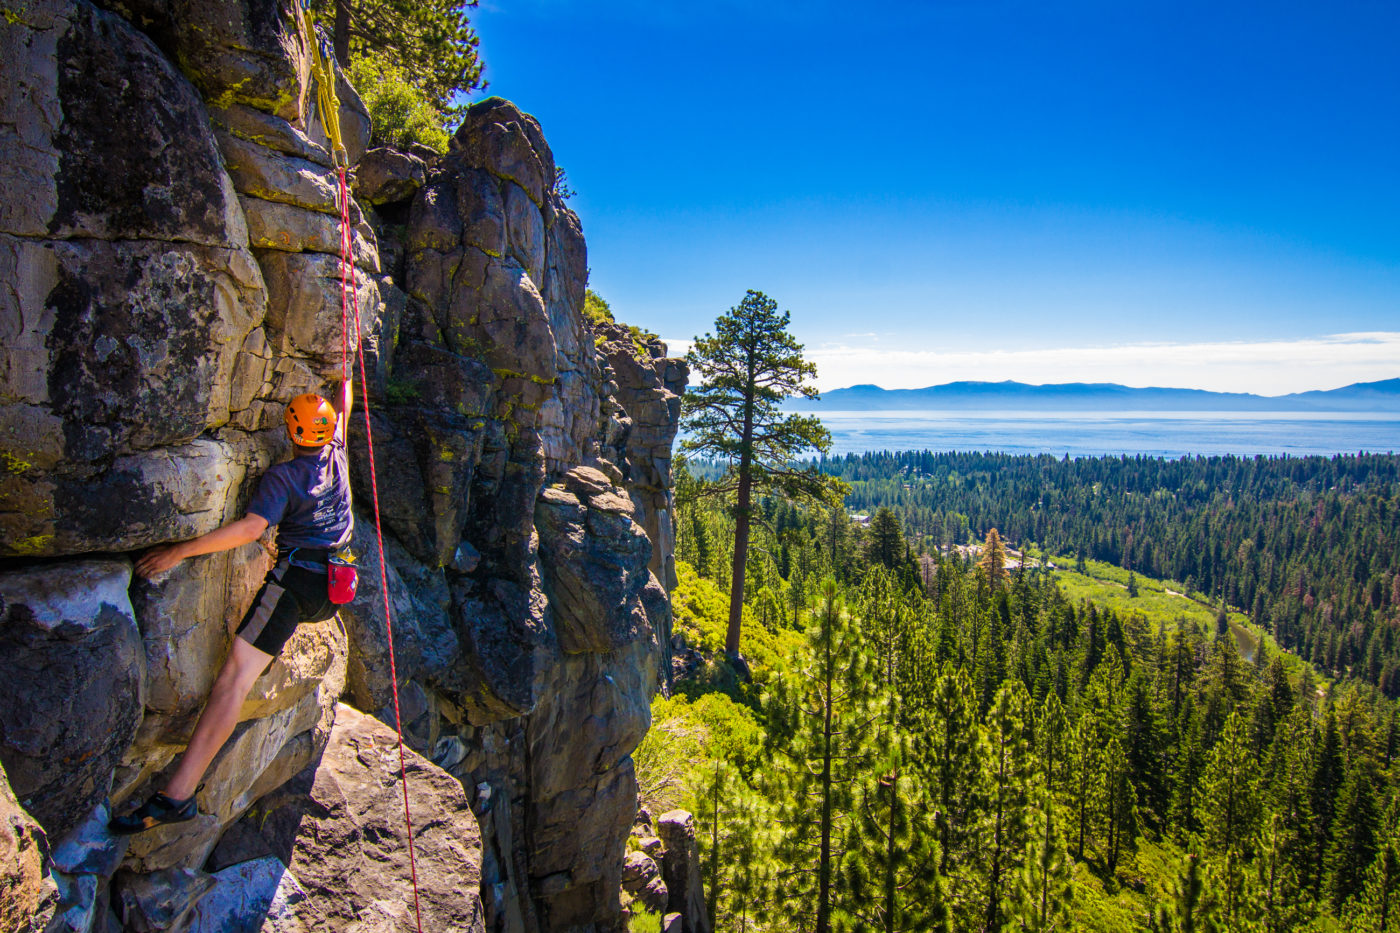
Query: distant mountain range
x=1381, y=396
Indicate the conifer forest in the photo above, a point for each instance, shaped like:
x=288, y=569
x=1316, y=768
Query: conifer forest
x=1000, y=693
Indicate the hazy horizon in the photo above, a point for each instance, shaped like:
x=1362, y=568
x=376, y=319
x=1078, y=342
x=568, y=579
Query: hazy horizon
x=1126, y=385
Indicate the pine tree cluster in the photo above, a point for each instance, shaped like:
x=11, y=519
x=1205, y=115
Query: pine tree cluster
x=942, y=742
x=1309, y=547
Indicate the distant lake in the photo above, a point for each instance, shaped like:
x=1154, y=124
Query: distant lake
x=1086, y=434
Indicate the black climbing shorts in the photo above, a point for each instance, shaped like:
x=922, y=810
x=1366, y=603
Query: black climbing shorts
x=289, y=596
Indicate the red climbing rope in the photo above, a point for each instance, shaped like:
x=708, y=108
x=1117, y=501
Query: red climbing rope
x=350, y=297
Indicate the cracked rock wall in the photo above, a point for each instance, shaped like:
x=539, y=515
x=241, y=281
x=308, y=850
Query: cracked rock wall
x=169, y=279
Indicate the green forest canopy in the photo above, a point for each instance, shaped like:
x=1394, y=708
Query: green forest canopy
x=1308, y=547
x=994, y=754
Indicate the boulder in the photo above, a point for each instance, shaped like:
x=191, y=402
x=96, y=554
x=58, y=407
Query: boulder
x=158, y=901
x=425, y=641
x=637, y=870
x=246, y=53
x=145, y=498
x=90, y=849
x=256, y=896
x=386, y=175
x=83, y=73
x=83, y=900
x=304, y=308
x=642, y=879
x=594, y=559
x=338, y=828
x=28, y=896
x=275, y=225
x=654, y=894
x=682, y=870
x=496, y=136
x=71, y=660
x=265, y=129
x=271, y=175
x=83, y=864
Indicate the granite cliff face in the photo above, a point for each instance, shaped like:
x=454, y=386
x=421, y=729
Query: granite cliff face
x=168, y=255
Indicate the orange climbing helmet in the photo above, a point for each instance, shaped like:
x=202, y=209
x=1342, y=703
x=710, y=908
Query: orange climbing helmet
x=310, y=421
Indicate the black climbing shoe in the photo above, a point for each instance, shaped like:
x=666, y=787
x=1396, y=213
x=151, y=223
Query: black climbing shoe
x=157, y=811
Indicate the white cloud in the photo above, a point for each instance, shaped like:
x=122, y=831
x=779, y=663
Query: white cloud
x=1265, y=367
x=677, y=347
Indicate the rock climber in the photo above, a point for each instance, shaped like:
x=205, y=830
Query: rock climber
x=308, y=499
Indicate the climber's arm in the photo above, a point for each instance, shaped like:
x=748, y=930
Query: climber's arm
x=162, y=557
x=347, y=399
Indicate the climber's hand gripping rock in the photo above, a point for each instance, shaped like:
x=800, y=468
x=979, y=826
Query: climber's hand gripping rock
x=162, y=557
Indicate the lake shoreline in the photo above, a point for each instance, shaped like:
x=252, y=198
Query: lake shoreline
x=1116, y=433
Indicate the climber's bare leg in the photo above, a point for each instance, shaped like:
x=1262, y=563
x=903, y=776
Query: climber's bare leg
x=243, y=667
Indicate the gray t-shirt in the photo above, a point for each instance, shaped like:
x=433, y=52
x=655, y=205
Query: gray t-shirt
x=308, y=499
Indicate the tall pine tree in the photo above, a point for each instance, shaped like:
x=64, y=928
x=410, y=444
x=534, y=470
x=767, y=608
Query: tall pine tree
x=1043, y=890
x=948, y=752
x=745, y=369
x=1008, y=770
x=1354, y=833
x=819, y=724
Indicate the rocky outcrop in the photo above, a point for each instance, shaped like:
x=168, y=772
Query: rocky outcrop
x=169, y=247
x=83, y=865
x=386, y=176
x=685, y=895
x=132, y=291
x=594, y=557
x=662, y=876
x=641, y=878
x=649, y=386
x=71, y=660
x=337, y=832
x=527, y=531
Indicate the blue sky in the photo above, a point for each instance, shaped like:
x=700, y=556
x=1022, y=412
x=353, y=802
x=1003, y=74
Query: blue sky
x=1151, y=193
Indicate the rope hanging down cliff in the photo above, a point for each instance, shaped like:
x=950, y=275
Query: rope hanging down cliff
x=329, y=108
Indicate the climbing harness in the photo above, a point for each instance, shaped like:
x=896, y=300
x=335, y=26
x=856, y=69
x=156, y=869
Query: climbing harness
x=329, y=108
